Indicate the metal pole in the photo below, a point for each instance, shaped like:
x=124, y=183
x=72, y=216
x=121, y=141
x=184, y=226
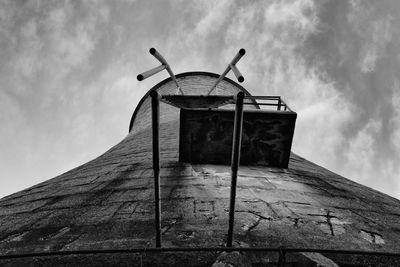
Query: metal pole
x=219, y=79
x=237, y=140
x=158, y=56
x=279, y=104
x=155, y=104
x=149, y=73
x=237, y=73
x=233, y=62
x=238, y=56
x=282, y=258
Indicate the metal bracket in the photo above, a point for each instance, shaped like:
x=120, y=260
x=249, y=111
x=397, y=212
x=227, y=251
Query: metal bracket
x=164, y=65
x=231, y=66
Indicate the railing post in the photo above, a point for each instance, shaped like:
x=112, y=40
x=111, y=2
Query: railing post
x=279, y=103
x=282, y=258
x=237, y=140
x=155, y=104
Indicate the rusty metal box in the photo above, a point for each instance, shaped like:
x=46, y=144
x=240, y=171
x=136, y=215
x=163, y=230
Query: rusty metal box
x=206, y=137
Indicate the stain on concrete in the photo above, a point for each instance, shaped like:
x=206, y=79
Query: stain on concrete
x=186, y=235
x=232, y=259
x=330, y=224
x=372, y=237
x=15, y=237
x=168, y=224
x=56, y=234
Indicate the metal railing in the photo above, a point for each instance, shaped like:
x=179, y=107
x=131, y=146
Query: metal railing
x=273, y=101
x=282, y=252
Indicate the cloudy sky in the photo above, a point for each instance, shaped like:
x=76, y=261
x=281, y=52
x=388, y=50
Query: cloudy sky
x=68, y=76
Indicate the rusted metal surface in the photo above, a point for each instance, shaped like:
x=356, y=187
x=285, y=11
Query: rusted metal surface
x=206, y=137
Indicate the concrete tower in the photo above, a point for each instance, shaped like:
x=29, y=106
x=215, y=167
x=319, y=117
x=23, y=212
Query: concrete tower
x=288, y=211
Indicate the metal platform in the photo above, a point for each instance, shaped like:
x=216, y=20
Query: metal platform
x=197, y=101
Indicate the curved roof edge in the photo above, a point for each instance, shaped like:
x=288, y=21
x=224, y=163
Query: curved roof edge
x=183, y=74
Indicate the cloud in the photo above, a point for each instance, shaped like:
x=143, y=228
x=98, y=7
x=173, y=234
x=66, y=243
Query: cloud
x=395, y=120
x=375, y=49
x=10, y=109
x=216, y=13
x=26, y=62
x=301, y=14
x=361, y=151
x=375, y=31
x=69, y=68
x=274, y=35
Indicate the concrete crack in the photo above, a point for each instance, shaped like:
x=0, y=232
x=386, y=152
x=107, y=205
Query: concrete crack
x=71, y=240
x=254, y=225
x=169, y=224
x=259, y=215
x=328, y=219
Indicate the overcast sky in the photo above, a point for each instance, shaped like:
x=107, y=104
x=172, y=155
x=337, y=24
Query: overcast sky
x=68, y=76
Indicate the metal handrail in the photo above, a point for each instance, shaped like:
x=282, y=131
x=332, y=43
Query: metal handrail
x=198, y=249
x=280, y=104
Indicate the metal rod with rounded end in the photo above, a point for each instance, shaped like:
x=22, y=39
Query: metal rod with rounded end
x=237, y=73
x=238, y=56
x=155, y=104
x=236, y=144
x=149, y=73
x=160, y=58
x=164, y=65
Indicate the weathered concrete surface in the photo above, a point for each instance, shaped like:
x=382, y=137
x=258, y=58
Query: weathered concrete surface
x=232, y=259
x=108, y=203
